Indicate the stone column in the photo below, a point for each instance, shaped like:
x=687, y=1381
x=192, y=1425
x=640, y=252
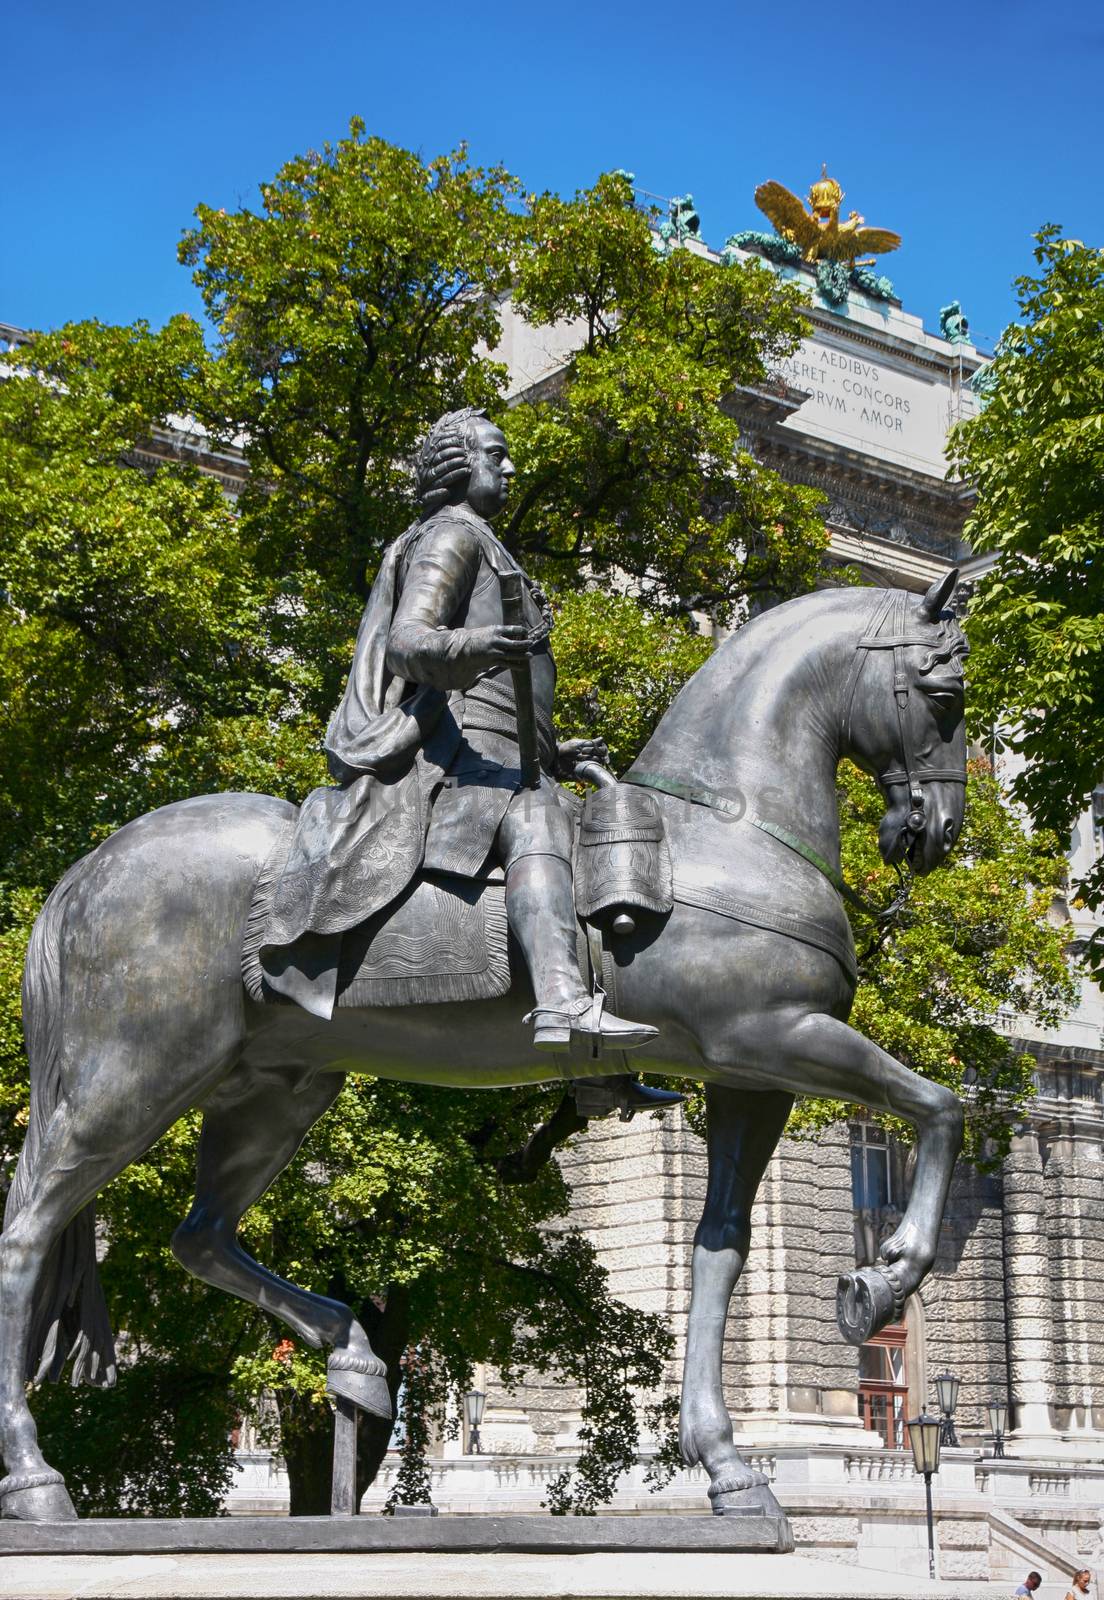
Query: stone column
x=1028, y=1287
x=963, y=1301
x=1073, y=1183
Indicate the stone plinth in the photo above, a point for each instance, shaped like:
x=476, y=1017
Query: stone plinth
x=387, y=1536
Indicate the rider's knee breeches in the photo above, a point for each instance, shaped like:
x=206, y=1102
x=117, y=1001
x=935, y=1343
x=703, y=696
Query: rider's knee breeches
x=537, y=823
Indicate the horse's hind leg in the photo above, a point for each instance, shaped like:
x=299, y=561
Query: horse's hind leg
x=743, y=1129
x=76, y=1158
x=251, y=1130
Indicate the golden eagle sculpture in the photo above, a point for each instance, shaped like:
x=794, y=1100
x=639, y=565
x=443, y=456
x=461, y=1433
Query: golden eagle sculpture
x=818, y=231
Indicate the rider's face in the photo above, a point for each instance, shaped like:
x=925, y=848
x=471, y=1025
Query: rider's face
x=491, y=470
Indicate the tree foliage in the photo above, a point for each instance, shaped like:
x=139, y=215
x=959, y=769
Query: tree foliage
x=440, y=1218
x=130, y=607
x=629, y=464
x=169, y=1425
x=618, y=667
x=349, y=311
x=1036, y=453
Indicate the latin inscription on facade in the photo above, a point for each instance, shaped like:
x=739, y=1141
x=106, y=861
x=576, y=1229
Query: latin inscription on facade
x=869, y=405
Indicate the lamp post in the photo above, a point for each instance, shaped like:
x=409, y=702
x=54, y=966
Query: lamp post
x=474, y=1402
x=1097, y=802
x=925, y=1438
x=946, y=1388
x=998, y=1421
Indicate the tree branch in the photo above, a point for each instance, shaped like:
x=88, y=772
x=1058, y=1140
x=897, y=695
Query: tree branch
x=522, y=1166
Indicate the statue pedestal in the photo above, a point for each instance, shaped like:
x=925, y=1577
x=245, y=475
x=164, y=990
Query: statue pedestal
x=398, y=1536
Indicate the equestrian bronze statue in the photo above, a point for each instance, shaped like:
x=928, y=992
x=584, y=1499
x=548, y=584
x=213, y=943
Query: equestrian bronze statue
x=415, y=921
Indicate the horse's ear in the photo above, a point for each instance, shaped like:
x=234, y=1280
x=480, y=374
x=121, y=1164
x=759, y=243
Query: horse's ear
x=937, y=596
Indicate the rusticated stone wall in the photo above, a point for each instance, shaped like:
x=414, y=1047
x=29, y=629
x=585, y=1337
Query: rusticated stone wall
x=638, y=1191
x=784, y=1352
x=964, y=1306
x=1073, y=1187
x=1014, y=1306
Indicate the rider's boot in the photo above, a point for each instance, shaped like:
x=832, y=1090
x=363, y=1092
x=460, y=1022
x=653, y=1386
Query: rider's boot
x=540, y=906
x=625, y=1094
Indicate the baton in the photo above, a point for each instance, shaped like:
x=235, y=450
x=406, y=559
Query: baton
x=513, y=615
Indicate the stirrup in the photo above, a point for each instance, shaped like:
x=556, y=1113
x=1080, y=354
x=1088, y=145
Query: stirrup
x=624, y=1093
x=585, y=1017
x=554, y=1025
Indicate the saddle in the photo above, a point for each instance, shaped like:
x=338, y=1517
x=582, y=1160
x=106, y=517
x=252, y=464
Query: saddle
x=445, y=939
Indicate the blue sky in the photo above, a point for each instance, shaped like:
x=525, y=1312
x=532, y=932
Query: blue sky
x=963, y=127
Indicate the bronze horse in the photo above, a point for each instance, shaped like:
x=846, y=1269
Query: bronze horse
x=135, y=1010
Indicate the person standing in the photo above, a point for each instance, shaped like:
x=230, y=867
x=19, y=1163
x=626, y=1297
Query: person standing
x=1029, y=1585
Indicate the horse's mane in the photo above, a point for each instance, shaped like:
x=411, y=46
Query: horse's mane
x=949, y=642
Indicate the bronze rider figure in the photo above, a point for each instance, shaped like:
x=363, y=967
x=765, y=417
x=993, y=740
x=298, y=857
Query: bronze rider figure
x=425, y=750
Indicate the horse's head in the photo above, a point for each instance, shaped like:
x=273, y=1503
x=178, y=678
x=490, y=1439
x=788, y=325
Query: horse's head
x=903, y=722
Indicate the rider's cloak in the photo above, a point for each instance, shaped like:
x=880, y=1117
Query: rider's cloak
x=357, y=846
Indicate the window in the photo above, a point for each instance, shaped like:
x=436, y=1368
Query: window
x=872, y=1184
x=883, y=1385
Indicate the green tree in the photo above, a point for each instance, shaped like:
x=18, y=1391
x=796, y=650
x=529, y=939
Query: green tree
x=130, y=604
x=352, y=309
x=440, y=1218
x=1036, y=454
x=618, y=667
x=629, y=463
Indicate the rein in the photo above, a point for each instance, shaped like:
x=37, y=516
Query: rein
x=735, y=808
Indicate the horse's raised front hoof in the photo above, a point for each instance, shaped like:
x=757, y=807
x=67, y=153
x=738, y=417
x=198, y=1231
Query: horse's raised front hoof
x=866, y=1300
x=36, y=1497
x=361, y=1379
x=757, y=1500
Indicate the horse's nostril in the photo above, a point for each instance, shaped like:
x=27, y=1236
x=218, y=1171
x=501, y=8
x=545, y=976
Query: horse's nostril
x=949, y=833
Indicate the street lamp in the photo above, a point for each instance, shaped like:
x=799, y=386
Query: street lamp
x=1097, y=801
x=947, y=1387
x=998, y=1421
x=474, y=1403
x=925, y=1438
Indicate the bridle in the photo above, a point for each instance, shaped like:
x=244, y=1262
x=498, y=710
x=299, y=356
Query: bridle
x=912, y=773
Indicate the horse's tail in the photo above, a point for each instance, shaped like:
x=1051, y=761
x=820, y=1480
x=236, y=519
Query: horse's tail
x=70, y=1316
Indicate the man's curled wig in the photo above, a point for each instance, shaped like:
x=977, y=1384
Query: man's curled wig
x=443, y=464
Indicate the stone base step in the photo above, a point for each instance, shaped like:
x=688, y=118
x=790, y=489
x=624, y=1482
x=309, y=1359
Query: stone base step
x=380, y=1535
